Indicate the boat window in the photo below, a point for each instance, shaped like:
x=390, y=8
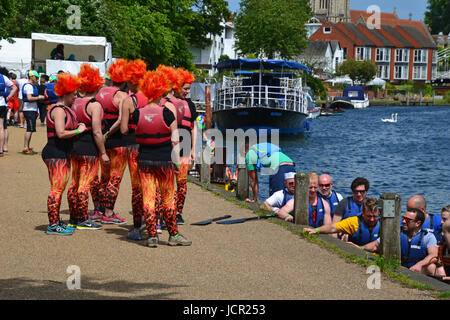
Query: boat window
x=352, y=94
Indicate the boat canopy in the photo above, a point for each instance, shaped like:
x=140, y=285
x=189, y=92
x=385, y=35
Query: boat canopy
x=274, y=74
x=354, y=92
x=256, y=64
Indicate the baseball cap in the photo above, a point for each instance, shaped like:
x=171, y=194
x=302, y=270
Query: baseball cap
x=53, y=78
x=33, y=73
x=289, y=175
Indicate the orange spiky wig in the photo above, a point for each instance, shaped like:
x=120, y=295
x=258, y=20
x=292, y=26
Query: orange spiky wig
x=66, y=83
x=90, y=78
x=117, y=71
x=175, y=77
x=154, y=84
x=136, y=69
x=186, y=76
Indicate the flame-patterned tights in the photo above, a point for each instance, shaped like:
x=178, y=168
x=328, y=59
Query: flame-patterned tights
x=58, y=173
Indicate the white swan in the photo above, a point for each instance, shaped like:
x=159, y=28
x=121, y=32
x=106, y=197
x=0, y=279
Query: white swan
x=392, y=119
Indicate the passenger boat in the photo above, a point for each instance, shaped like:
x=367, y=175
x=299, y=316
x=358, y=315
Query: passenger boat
x=261, y=94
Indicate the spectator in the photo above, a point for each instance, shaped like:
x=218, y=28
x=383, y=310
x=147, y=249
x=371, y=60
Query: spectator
x=352, y=206
x=418, y=247
x=14, y=102
x=281, y=197
x=268, y=156
x=58, y=52
x=91, y=58
x=327, y=193
x=361, y=229
x=42, y=106
x=7, y=91
x=432, y=222
x=445, y=215
x=20, y=83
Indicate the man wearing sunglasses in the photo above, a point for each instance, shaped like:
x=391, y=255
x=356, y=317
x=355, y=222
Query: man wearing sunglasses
x=432, y=222
x=281, y=197
x=352, y=206
x=327, y=193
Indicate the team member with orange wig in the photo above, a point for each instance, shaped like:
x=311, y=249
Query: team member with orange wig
x=188, y=128
x=62, y=127
x=135, y=72
x=111, y=99
x=158, y=159
x=86, y=148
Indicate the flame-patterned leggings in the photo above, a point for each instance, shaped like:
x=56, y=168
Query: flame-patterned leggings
x=111, y=176
x=136, y=197
x=181, y=178
x=84, y=171
x=59, y=174
x=153, y=177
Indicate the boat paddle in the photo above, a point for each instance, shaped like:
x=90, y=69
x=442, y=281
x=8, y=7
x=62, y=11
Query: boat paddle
x=246, y=219
x=208, y=221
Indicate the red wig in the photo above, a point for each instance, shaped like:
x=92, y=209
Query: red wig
x=186, y=76
x=90, y=78
x=117, y=71
x=154, y=84
x=136, y=70
x=66, y=83
x=175, y=77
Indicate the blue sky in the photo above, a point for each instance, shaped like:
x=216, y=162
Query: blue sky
x=404, y=7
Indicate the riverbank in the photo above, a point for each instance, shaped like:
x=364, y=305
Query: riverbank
x=397, y=103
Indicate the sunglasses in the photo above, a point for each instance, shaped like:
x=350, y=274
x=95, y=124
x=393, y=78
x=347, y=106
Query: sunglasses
x=359, y=191
x=407, y=220
x=325, y=185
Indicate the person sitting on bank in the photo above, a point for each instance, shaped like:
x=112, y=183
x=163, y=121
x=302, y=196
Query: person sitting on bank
x=419, y=247
x=269, y=157
x=327, y=193
x=432, y=222
x=352, y=206
x=281, y=197
x=361, y=229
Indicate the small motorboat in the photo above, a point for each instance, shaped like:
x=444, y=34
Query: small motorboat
x=342, y=103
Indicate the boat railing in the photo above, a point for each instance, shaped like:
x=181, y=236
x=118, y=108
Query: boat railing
x=235, y=95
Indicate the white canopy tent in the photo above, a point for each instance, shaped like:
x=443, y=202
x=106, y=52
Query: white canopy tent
x=81, y=47
x=16, y=57
x=339, y=80
x=376, y=82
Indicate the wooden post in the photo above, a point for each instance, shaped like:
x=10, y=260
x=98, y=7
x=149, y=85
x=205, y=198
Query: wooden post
x=208, y=107
x=301, y=198
x=242, y=191
x=205, y=169
x=390, y=225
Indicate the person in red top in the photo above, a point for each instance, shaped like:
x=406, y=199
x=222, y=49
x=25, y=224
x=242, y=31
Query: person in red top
x=86, y=148
x=62, y=127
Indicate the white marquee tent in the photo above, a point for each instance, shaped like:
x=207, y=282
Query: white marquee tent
x=16, y=57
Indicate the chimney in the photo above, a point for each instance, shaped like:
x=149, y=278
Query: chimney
x=410, y=16
x=395, y=10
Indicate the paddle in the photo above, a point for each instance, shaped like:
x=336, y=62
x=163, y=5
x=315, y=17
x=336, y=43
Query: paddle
x=205, y=222
x=246, y=219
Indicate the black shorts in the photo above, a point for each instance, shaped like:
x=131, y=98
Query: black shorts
x=3, y=115
x=30, y=117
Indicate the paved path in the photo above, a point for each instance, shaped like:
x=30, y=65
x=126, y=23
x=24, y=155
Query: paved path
x=253, y=260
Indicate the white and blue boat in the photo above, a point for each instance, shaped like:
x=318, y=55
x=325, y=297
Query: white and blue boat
x=353, y=97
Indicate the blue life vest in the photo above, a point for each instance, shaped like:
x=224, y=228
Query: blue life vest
x=433, y=224
x=353, y=209
x=4, y=90
x=35, y=92
x=332, y=201
x=264, y=151
x=50, y=93
x=320, y=214
x=364, y=235
x=414, y=251
x=286, y=197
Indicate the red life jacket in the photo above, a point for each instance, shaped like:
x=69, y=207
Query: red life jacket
x=71, y=120
x=80, y=108
x=139, y=101
x=184, y=116
x=106, y=98
x=151, y=128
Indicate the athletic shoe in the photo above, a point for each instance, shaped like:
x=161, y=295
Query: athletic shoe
x=152, y=242
x=114, y=219
x=88, y=225
x=178, y=240
x=179, y=219
x=158, y=228
x=134, y=234
x=59, y=229
x=96, y=215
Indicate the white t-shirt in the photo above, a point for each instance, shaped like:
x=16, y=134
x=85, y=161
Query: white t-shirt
x=20, y=83
x=29, y=106
x=276, y=200
x=9, y=84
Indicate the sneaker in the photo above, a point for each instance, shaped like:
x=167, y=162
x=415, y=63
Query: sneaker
x=158, y=228
x=134, y=234
x=152, y=242
x=59, y=229
x=178, y=240
x=96, y=215
x=88, y=225
x=179, y=219
x=114, y=219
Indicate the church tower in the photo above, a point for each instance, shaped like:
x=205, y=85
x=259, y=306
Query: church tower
x=331, y=10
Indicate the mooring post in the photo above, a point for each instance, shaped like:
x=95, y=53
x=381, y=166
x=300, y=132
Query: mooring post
x=390, y=225
x=242, y=191
x=208, y=114
x=301, y=198
x=205, y=168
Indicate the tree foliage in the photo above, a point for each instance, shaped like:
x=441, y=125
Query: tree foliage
x=272, y=27
x=158, y=31
x=359, y=71
x=437, y=16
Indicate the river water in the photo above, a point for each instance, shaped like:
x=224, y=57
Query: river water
x=409, y=157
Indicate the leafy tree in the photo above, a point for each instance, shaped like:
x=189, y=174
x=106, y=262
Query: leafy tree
x=437, y=16
x=272, y=27
x=359, y=71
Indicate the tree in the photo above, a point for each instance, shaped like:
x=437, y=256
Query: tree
x=437, y=16
x=359, y=71
x=272, y=27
